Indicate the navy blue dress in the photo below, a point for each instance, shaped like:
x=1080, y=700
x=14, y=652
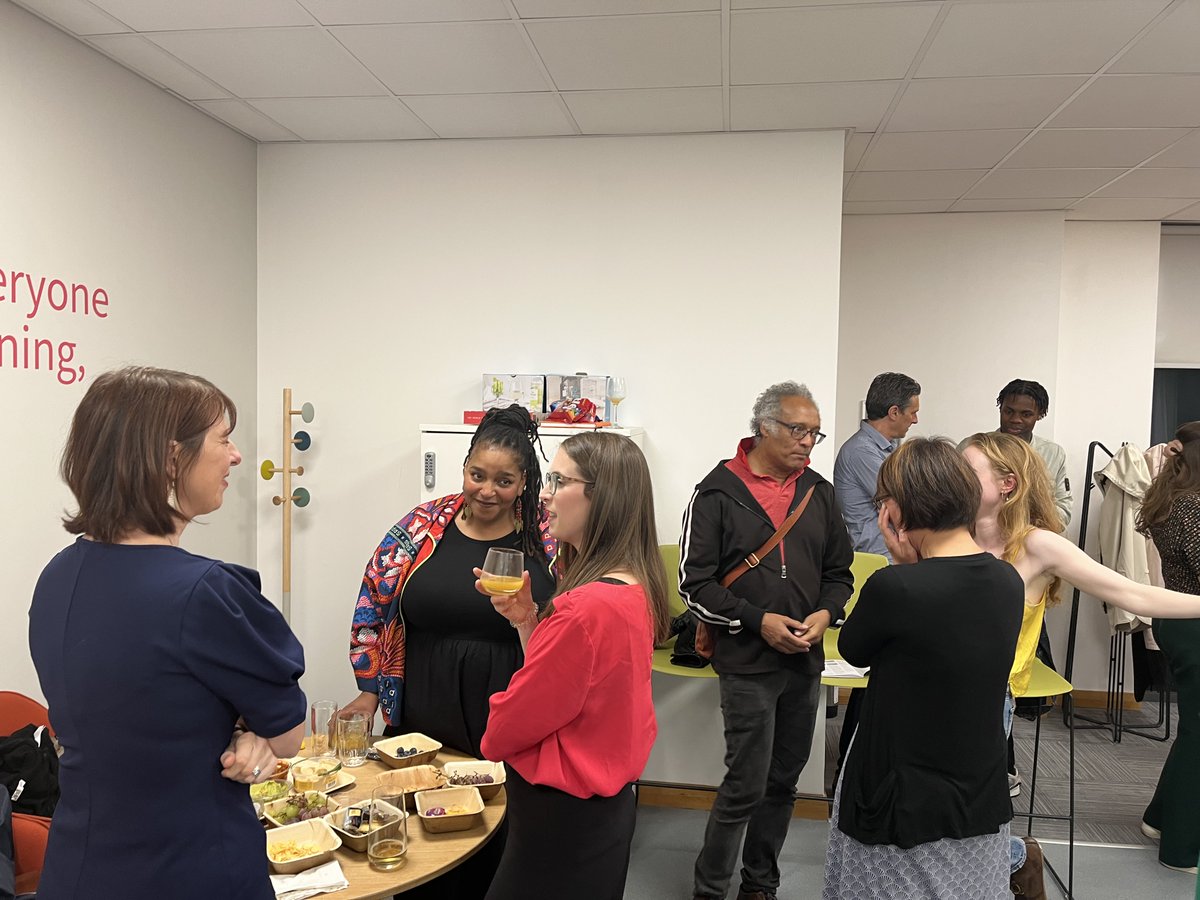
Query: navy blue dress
x=147, y=656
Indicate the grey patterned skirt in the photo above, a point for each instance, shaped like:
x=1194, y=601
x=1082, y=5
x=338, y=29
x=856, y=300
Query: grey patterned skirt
x=950, y=869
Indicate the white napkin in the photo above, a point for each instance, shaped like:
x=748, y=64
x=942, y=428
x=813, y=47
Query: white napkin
x=310, y=882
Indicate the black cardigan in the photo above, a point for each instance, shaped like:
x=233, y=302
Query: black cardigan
x=929, y=759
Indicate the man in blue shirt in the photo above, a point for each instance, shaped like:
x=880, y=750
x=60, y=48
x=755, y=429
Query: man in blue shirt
x=893, y=401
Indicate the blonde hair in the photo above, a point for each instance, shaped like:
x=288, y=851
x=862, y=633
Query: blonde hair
x=1031, y=503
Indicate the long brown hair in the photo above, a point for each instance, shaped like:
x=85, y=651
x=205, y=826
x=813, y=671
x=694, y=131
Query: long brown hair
x=619, y=534
x=116, y=461
x=1031, y=503
x=1180, y=474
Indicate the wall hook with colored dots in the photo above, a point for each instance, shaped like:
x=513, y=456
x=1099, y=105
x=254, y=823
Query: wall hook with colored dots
x=299, y=497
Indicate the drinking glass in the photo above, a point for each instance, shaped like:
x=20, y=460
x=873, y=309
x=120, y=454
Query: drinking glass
x=352, y=740
x=616, y=393
x=387, y=841
x=323, y=724
x=503, y=572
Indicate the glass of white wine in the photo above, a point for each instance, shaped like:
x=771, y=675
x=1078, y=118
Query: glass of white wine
x=616, y=393
x=387, y=840
x=503, y=572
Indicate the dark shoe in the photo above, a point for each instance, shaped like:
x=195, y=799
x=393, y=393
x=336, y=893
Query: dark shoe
x=1027, y=880
x=755, y=895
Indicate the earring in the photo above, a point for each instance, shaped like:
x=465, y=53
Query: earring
x=172, y=500
x=517, y=515
x=466, y=511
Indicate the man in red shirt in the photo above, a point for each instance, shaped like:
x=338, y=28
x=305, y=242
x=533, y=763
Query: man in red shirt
x=767, y=626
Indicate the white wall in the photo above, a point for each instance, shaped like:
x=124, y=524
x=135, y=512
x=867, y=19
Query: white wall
x=702, y=268
x=111, y=182
x=961, y=302
x=1177, y=339
x=1106, y=322
x=966, y=302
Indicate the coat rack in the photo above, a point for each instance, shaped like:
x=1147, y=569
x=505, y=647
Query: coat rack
x=301, y=440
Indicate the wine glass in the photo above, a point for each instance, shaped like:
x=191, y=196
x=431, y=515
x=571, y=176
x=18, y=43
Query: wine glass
x=616, y=393
x=503, y=572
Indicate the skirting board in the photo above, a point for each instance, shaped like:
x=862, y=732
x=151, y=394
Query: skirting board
x=1083, y=699
x=701, y=798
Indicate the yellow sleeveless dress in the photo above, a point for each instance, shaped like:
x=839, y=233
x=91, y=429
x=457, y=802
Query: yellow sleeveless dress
x=1027, y=642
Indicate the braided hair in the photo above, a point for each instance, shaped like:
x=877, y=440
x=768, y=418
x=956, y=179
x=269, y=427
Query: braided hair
x=514, y=430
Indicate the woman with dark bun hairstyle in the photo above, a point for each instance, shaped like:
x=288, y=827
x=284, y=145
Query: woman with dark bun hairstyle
x=425, y=647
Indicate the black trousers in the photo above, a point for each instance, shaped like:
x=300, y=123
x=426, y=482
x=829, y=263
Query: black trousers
x=560, y=846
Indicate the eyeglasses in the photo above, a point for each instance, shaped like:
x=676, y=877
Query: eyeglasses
x=799, y=432
x=554, y=480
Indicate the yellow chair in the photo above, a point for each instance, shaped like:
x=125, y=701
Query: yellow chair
x=864, y=566
x=662, y=656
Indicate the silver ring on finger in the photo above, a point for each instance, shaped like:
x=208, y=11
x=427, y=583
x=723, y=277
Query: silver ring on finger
x=257, y=771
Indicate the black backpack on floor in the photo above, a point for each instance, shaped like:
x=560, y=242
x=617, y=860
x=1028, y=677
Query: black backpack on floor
x=29, y=769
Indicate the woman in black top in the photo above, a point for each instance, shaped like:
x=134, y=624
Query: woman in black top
x=922, y=809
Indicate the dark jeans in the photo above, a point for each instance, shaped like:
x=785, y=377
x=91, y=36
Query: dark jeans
x=769, y=721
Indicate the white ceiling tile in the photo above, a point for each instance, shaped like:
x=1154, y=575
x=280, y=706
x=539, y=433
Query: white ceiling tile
x=385, y=12
x=856, y=145
x=345, y=118
x=491, y=115
x=1043, y=182
x=1190, y=214
x=1185, y=153
x=859, y=105
x=245, y=119
x=76, y=16
x=1013, y=204
x=630, y=51
x=446, y=58
x=1092, y=148
x=1135, y=101
x=272, y=62
x=912, y=185
x=1127, y=210
x=941, y=149
x=151, y=61
x=966, y=104
x=542, y=9
x=766, y=4
x=1034, y=37
x=668, y=111
x=1171, y=46
x=180, y=15
x=1147, y=183
x=844, y=43
x=894, y=207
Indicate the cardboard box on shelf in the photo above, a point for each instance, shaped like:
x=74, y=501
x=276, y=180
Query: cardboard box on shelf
x=577, y=386
x=504, y=390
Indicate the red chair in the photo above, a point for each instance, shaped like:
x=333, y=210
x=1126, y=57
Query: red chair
x=17, y=711
x=30, y=834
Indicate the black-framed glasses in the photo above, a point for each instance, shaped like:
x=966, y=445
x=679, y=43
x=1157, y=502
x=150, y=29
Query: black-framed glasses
x=555, y=479
x=799, y=432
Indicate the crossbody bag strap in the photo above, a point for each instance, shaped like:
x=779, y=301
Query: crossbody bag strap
x=758, y=555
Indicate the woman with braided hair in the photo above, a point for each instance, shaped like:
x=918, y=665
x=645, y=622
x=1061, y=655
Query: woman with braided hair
x=425, y=647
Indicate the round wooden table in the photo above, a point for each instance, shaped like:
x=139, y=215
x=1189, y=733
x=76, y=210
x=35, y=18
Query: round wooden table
x=429, y=855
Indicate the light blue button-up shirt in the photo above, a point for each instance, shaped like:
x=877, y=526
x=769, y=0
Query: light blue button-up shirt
x=854, y=477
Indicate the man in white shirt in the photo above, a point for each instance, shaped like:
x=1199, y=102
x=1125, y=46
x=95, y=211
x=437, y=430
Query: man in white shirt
x=1022, y=405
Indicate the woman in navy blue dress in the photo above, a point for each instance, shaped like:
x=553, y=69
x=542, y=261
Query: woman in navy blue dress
x=172, y=682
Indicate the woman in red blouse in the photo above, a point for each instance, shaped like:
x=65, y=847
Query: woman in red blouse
x=576, y=724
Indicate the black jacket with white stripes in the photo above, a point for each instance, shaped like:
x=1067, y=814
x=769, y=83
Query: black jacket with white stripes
x=810, y=570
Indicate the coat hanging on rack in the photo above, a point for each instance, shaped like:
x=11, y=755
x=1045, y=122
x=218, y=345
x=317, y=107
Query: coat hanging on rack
x=1123, y=483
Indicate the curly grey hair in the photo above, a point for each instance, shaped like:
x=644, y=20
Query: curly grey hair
x=769, y=404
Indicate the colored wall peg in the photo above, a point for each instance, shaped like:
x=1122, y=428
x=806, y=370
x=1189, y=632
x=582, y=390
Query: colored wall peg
x=267, y=469
x=302, y=440
x=307, y=412
x=302, y=497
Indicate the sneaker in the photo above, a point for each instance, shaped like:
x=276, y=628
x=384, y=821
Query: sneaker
x=1151, y=832
x=1027, y=880
x=1014, y=784
x=1187, y=870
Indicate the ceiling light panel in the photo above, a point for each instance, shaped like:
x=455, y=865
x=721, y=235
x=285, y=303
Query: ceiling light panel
x=272, y=62
x=630, y=51
x=826, y=44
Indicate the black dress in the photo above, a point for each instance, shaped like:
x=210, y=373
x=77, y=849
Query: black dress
x=459, y=651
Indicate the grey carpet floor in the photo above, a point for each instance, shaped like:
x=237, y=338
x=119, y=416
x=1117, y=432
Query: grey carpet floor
x=667, y=840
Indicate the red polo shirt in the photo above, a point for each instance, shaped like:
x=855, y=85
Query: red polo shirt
x=773, y=497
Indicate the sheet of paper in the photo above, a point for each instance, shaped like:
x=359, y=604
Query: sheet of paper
x=839, y=668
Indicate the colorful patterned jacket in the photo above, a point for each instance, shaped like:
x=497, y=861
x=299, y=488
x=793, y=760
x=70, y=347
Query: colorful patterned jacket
x=377, y=633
